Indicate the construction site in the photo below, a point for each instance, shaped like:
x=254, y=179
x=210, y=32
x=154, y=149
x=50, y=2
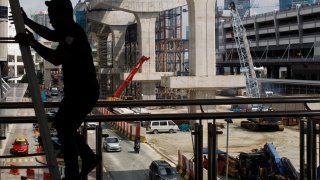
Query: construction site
x=247, y=85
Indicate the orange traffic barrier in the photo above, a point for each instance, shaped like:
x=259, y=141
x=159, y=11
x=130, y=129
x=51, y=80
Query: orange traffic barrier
x=39, y=149
x=30, y=173
x=46, y=176
x=14, y=171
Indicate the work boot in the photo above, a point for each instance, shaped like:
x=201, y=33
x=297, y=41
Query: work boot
x=88, y=165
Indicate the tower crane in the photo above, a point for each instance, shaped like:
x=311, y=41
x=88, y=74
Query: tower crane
x=244, y=54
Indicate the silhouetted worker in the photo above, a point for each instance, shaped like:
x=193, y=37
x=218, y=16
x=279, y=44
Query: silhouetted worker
x=81, y=89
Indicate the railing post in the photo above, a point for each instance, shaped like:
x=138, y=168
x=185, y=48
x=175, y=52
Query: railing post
x=198, y=151
x=212, y=144
x=99, y=151
x=309, y=149
x=314, y=148
x=302, y=144
x=84, y=133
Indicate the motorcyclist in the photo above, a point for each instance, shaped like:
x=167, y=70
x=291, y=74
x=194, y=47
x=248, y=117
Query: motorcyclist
x=137, y=143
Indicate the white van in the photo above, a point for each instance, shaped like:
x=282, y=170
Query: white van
x=162, y=126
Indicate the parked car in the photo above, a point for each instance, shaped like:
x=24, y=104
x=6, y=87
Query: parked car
x=162, y=170
x=111, y=144
x=20, y=146
x=162, y=126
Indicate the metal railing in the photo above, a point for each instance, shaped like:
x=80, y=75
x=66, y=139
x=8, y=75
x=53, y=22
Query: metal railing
x=309, y=115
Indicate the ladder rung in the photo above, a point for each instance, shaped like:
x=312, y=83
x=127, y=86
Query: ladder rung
x=23, y=167
x=22, y=155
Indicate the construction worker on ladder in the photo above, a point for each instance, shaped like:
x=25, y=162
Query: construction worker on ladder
x=81, y=88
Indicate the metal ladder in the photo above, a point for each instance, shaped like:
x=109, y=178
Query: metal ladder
x=35, y=93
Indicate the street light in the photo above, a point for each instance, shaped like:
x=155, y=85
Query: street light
x=228, y=120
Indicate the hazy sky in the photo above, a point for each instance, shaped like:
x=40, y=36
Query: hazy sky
x=34, y=6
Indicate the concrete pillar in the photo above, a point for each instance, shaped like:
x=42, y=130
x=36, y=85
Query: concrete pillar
x=276, y=26
x=146, y=39
x=148, y=91
x=289, y=72
x=300, y=23
x=118, y=39
x=146, y=43
x=202, y=53
x=202, y=94
x=275, y=73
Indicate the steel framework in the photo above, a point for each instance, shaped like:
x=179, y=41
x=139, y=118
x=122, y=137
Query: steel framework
x=240, y=38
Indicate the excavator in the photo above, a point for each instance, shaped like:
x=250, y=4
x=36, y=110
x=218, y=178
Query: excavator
x=117, y=95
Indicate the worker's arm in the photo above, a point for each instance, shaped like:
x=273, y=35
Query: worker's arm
x=53, y=56
x=42, y=31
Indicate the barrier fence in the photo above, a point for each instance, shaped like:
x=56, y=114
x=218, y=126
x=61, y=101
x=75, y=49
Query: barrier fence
x=125, y=123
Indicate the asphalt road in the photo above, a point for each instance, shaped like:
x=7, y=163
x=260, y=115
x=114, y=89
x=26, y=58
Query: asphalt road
x=126, y=164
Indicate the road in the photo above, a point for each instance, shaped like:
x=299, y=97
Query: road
x=126, y=164
x=24, y=131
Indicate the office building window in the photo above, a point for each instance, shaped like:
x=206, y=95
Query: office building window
x=3, y=12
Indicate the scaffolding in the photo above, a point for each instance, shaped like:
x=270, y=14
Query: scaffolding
x=171, y=48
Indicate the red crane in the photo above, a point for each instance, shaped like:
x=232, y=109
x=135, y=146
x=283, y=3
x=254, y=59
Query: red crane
x=130, y=77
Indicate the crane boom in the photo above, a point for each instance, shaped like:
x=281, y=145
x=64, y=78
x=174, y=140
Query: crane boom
x=130, y=76
x=240, y=38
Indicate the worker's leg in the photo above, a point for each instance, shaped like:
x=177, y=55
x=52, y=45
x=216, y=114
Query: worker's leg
x=89, y=159
x=64, y=122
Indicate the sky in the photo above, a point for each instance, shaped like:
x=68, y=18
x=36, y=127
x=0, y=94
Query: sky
x=35, y=6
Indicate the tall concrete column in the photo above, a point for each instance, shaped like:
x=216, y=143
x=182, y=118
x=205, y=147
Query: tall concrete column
x=203, y=94
x=146, y=39
x=202, y=55
x=118, y=39
x=146, y=42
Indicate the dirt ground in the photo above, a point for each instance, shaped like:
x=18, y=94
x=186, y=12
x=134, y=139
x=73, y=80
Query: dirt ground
x=240, y=140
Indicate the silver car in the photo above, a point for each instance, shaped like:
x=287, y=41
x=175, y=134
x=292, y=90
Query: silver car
x=111, y=144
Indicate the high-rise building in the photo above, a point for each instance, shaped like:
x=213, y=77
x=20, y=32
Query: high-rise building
x=286, y=4
x=241, y=5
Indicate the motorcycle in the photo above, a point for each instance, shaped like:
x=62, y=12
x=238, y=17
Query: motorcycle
x=137, y=145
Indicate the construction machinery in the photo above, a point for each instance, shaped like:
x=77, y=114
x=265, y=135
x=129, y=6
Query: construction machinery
x=265, y=164
x=247, y=68
x=243, y=49
x=117, y=94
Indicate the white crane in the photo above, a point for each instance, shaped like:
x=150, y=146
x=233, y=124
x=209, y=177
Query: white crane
x=240, y=38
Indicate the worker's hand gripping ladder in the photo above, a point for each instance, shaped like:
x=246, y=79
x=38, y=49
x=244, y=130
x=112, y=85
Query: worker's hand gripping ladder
x=35, y=92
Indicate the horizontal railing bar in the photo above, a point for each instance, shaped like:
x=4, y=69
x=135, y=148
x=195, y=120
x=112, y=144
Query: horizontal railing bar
x=24, y=167
x=175, y=116
x=189, y=102
x=22, y=155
